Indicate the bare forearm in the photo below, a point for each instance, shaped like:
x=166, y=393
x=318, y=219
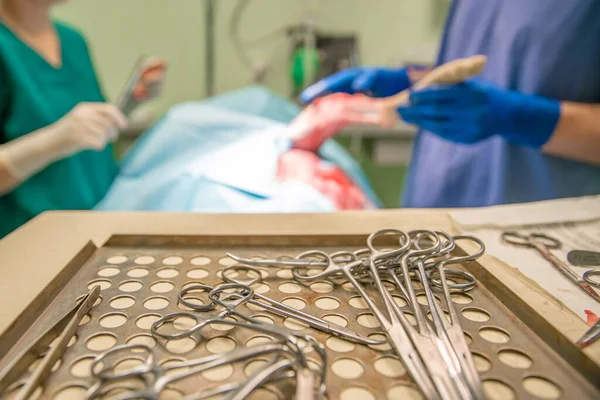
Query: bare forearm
x=577, y=134
x=7, y=181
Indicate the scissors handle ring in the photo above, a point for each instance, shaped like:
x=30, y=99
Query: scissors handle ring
x=517, y=239
x=587, y=277
x=245, y=294
x=403, y=243
x=104, y=373
x=181, y=297
x=171, y=318
x=318, y=257
x=470, y=283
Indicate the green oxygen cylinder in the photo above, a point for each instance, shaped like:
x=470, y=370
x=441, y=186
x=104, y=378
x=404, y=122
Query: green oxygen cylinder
x=298, y=70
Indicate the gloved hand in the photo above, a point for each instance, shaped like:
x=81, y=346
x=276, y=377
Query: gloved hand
x=151, y=80
x=377, y=82
x=88, y=126
x=476, y=110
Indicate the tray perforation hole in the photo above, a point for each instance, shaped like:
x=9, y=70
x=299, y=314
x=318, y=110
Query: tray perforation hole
x=101, y=341
x=347, y=368
x=108, y=271
x=113, y=320
x=221, y=344
x=130, y=286
x=339, y=345
x=162, y=286
x=172, y=260
x=495, y=389
x=494, y=334
x=404, y=392
x=144, y=260
x=167, y=273
x=476, y=314
x=145, y=321
x=389, y=367
x=254, y=366
x=81, y=367
x=116, y=259
x=103, y=283
x=354, y=393
x=197, y=273
x=122, y=302
x=257, y=340
x=336, y=319
x=138, y=272
x=541, y=387
x=156, y=303
x=180, y=346
x=144, y=339
x=515, y=358
x=482, y=363
x=200, y=260
x=70, y=392
x=327, y=303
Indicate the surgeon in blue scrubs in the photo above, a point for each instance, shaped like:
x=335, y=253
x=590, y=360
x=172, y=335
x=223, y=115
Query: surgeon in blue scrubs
x=526, y=129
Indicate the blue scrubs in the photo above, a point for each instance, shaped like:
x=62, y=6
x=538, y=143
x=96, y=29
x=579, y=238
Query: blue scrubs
x=544, y=47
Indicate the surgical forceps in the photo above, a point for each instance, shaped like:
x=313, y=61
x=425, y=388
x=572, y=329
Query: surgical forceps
x=543, y=244
x=278, y=308
x=423, y=352
x=154, y=378
x=432, y=343
x=241, y=295
x=450, y=332
x=63, y=330
x=395, y=323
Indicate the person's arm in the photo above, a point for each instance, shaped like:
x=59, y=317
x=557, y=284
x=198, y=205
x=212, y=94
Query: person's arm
x=577, y=134
x=476, y=110
x=88, y=126
x=7, y=181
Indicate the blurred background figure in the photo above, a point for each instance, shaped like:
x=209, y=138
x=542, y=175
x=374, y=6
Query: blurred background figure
x=217, y=139
x=56, y=127
x=527, y=129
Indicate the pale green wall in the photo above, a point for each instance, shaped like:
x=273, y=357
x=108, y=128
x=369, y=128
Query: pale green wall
x=119, y=30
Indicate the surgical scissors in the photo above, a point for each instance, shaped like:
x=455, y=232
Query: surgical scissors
x=544, y=244
x=278, y=308
x=229, y=300
x=155, y=378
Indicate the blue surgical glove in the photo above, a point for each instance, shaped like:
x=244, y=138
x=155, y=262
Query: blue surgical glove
x=476, y=110
x=377, y=82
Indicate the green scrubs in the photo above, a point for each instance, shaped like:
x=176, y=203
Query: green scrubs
x=34, y=94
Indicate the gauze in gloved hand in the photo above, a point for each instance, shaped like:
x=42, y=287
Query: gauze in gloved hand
x=377, y=82
x=88, y=126
x=326, y=116
x=475, y=110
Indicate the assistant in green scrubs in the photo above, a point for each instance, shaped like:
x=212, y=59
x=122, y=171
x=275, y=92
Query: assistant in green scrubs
x=33, y=95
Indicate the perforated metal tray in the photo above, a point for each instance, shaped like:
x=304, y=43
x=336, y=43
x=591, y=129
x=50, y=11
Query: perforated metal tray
x=141, y=276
